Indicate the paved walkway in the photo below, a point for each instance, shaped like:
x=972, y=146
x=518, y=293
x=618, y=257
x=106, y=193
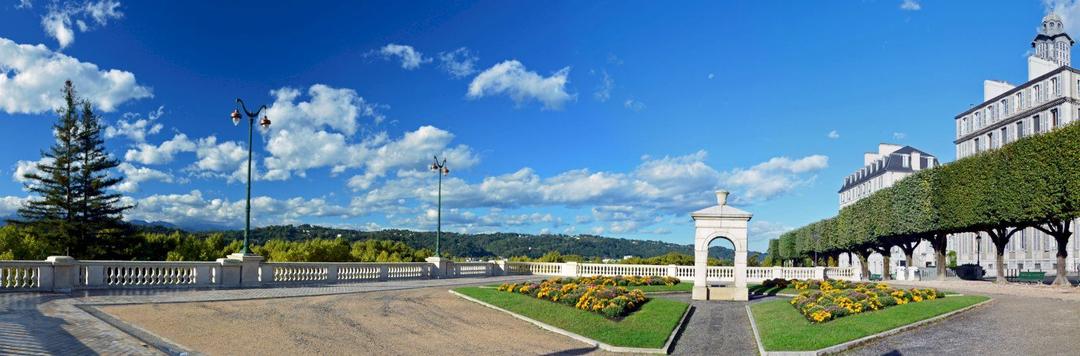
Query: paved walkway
x=1021, y=320
x=48, y=323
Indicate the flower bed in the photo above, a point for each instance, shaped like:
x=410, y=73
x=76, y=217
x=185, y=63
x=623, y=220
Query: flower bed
x=607, y=296
x=837, y=299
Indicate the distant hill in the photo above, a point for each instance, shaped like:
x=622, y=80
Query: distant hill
x=490, y=245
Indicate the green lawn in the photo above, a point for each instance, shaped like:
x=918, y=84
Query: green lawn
x=757, y=289
x=648, y=327
x=782, y=328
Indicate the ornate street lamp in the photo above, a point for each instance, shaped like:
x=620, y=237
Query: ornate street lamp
x=440, y=170
x=264, y=124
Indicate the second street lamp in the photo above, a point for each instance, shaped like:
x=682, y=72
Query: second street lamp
x=264, y=124
x=441, y=170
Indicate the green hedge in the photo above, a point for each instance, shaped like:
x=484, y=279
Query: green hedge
x=1034, y=181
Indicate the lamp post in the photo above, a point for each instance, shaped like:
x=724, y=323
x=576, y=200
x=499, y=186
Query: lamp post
x=978, y=249
x=263, y=124
x=440, y=170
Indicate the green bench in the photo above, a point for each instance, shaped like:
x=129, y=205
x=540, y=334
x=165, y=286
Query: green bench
x=875, y=277
x=1031, y=277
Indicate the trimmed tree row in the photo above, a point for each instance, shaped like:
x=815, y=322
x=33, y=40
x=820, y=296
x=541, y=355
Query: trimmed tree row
x=1031, y=183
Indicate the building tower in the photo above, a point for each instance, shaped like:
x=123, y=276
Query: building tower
x=1052, y=43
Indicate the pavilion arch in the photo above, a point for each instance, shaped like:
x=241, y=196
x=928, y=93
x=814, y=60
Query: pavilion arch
x=721, y=221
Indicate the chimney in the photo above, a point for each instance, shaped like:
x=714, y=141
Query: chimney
x=721, y=197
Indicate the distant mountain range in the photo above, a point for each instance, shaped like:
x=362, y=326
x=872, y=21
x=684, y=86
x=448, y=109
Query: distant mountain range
x=490, y=244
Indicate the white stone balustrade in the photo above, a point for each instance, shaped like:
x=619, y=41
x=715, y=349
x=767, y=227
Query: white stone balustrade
x=25, y=275
x=64, y=274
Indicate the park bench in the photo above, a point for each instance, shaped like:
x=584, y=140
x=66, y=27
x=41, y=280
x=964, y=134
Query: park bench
x=875, y=277
x=1031, y=277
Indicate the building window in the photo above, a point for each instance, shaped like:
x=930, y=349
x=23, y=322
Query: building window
x=1036, y=121
x=977, y=145
x=1004, y=135
x=1054, y=119
x=1038, y=94
x=1057, y=88
x=990, y=140
x=906, y=160
x=1004, y=108
x=1019, y=130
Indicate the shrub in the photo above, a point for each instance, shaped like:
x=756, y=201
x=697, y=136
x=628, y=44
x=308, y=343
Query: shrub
x=835, y=299
x=607, y=296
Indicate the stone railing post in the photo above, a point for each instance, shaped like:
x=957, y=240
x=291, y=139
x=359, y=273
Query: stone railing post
x=332, y=273
x=266, y=273
x=230, y=273
x=95, y=276
x=65, y=274
x=438, y=267
x=819, y=273
x=501, y=268
x=672, y=271
x=384, y=273
x=569, y=269
x=202, y=276
x=249, y=268
x=777, y=272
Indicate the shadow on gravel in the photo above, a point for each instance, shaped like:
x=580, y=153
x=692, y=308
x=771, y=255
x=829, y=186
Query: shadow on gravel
x=571, y=352
x=682, y=328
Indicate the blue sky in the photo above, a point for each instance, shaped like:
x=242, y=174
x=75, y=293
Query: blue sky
x=616, y=118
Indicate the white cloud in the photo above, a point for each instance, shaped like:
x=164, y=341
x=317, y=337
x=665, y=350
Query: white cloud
x=135, y=127
x=58, y=20
x=22, y=168
x=193, y=207
x=459, y=63
x=603, y=92
x=10, y=205
x=31, y=78
x=161, y=154
x=634, y=105
x=409, y=56
x=25, y=4
x=832, y=135
x=776, y=176
x=910, y=5
x=413, y=151
x=761, y=230
x=899, y=135
x=133, y=176
x=711, y=76
x=512, y=79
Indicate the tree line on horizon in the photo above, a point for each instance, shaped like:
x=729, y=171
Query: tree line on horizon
x=1033, y=182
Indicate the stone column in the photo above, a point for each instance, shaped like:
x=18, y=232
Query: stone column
x=673, y=271
x=249, y=268
x=65, y=273
x=501, y=268
x=701, y=284
x=741, y=291
x=819, y=273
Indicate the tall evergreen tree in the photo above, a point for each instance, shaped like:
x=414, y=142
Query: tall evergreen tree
x=54, y=181
x=74, y=208
x=100, y=211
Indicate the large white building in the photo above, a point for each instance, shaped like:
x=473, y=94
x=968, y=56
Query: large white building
x=1050, y=98
x=883, y=169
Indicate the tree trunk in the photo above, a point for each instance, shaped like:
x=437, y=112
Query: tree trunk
x=940, y=261
x=1000, y=265
x=939, y=242
x=1062, y=280
x=864, y=266
x=885, y=268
